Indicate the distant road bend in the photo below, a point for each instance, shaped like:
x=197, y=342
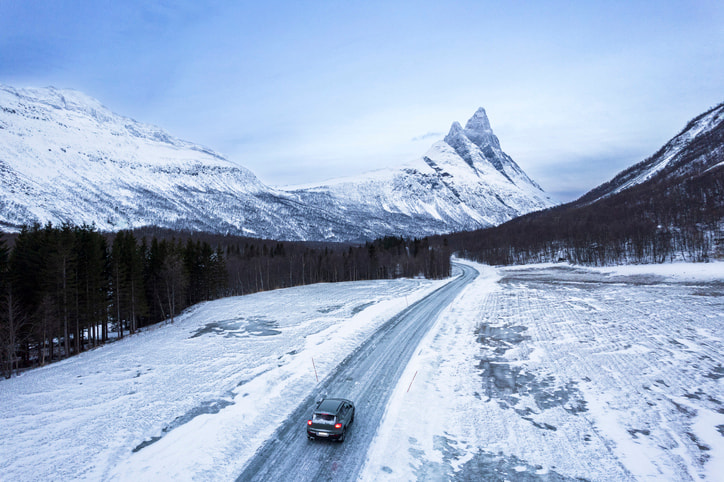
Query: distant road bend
x=367, y=377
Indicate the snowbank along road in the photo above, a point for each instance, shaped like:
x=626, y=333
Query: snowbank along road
x=367, y=377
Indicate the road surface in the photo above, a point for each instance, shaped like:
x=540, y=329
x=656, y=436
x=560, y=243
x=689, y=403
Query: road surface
x=367, y=376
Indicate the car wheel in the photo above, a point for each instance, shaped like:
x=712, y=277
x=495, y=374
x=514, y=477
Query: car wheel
x=352, y=419
x=341, y=438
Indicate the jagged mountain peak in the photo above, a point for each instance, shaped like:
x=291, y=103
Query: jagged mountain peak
x=479, y=122
x=457, y=182
x=456, y=129
x=480, y=149
x=458, y=140
x=479, y=132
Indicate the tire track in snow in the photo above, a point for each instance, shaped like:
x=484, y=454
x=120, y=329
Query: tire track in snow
x=632, y=351
x=554, y=326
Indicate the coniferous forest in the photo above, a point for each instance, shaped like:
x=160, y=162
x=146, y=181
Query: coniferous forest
x=64, y=290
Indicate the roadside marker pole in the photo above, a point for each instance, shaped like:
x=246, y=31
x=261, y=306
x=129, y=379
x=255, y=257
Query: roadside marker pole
x=413, y=379
x=315, y=370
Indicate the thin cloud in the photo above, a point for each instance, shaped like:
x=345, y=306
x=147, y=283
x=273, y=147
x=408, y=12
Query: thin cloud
x=428, y=136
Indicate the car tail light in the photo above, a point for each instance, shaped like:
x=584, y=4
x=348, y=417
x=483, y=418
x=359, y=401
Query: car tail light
x=309, y=422
x=337, y=425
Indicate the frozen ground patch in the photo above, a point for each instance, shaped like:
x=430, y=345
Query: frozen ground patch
x=565, y=373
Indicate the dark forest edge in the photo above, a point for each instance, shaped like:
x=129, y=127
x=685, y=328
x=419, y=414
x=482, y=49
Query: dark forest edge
x=64, y=290
x=663, y=220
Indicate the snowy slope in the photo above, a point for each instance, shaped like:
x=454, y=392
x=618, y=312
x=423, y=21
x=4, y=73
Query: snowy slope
x=465, y=181
x=700, y=146
x=66, y=158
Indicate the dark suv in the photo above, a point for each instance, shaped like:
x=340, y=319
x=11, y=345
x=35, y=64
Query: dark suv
x=330, y=419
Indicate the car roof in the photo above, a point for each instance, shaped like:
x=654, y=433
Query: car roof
x=330, y=405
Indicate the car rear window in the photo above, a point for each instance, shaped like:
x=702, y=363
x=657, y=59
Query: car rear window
x=327, y=418
x=329, y=405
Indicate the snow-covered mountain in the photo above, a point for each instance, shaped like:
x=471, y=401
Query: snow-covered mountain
x=699, y=147
x=66, y=158
x=465, y=181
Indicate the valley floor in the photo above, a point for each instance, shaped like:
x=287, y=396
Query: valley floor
x=533, y=373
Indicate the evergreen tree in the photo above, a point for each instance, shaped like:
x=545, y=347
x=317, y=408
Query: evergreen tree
x=174, y=278
x=92, y=282
x=127, y=270
x=154, y=261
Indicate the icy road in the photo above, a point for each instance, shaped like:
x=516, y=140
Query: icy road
x=366, y=377
x=548, y=372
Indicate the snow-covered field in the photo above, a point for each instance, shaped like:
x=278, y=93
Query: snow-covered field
x=199, y=396
x=547, y=372
x=559, y=373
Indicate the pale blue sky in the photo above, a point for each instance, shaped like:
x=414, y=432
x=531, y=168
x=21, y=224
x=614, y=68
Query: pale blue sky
x=303, y=91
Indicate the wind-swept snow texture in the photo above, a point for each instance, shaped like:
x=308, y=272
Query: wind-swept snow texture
x=66, y=158
x=562, y=373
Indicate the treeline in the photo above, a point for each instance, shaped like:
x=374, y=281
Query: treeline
x=253, y=266
x=661, y=220
x=66, y=289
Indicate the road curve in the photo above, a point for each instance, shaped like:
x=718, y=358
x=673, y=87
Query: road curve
x=367, y=376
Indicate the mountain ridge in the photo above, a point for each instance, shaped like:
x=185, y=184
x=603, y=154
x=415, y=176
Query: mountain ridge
x=64, y=157
x=664, y=161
